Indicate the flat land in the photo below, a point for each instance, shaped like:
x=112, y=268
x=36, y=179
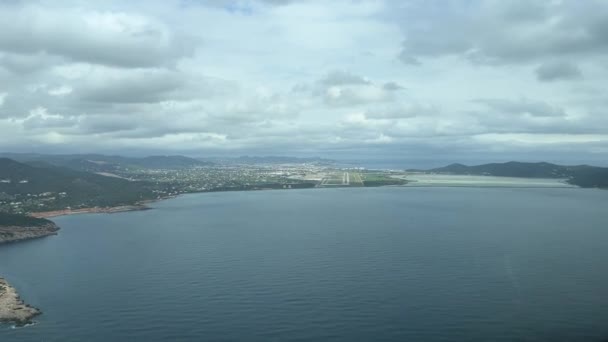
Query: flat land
x=341, y=178
x=355, y=179
x=482, y=181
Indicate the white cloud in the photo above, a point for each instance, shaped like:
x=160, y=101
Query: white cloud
x=60, y=90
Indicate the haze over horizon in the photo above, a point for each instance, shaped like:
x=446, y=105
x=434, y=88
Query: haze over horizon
x=425, y=82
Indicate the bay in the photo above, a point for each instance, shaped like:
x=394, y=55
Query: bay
x=381, y=264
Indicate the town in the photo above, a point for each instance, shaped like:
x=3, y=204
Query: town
x=159, y=183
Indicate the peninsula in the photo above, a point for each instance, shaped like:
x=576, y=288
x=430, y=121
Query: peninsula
x=12, y=308
x=20, y=227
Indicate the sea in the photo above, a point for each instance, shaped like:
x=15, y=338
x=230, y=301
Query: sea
x=346, y=264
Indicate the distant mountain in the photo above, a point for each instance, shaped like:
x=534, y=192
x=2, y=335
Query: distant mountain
x=281, y=160
x=581, y=175
x=69, y=187
x=104, y=163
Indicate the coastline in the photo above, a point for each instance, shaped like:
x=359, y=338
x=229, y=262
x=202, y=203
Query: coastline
x=12, y=308
x=97, y=210
x=10, y=234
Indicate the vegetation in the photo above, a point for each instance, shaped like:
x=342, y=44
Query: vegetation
x=15, y=220
x=65, y=187
x=371, y=179
x=590, y=177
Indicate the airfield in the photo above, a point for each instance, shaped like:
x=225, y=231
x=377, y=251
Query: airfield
x=341, y=179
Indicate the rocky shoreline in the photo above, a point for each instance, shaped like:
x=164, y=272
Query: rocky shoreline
x=12, y=308
x=15, y=229
x=19, y=233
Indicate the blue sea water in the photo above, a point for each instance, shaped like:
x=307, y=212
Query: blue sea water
x=381, y=264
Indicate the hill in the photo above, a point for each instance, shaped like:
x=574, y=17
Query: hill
x=48, y=187
x=104, y=163
x=581, y=175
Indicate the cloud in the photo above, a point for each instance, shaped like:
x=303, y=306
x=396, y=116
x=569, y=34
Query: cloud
x=102, y=37
x=392, y=86
x=116, y=86
x=40, y=118
x=400, y=111
x=27, y=63
x=549, y=72
x=315, y=77
x=408, y=59
x=338, y=78
x=522, y=107
x=355, y=95
x=504, y=32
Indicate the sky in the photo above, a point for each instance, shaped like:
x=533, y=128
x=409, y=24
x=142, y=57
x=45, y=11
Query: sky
x=429, y=81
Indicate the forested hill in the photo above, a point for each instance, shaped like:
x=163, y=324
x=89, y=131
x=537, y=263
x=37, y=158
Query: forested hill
x=66, y=187
x=581, y=175
x=13, y=220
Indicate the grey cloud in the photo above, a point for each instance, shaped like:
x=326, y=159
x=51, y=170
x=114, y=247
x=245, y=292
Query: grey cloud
x=524, y=11
x=401, y=111
x=277, y=2
x=522, y=107
x=19, y=102
x=505, y=31
x=548, y=72
x=343, y=88
x=336, y=78
x=534, y=117
x=97, y=124
x=356, y=95
x=45, y=123
x=392, y=86
x=131, y=87
x=407, y=59
x=107, y=38
x=27, y=63
x=237, y=5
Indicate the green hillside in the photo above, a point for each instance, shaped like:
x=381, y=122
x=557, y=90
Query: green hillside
x=26, y=183
x=10, y=220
